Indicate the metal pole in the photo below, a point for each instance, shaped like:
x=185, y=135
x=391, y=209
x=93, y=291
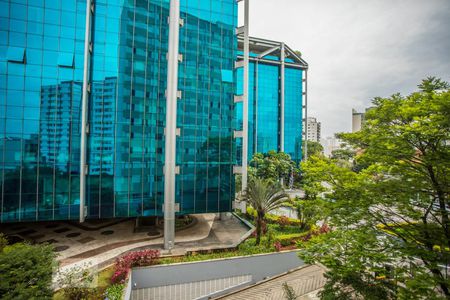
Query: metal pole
x=171, y=126
x=255, y=133
x=306, y=115
x=84, y=111
x=282, y=71
x=246, y=93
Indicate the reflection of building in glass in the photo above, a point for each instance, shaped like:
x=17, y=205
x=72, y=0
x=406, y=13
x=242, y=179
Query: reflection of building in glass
x=59, y=123
x=102, y=126
x=275, y=108
x=42, y=66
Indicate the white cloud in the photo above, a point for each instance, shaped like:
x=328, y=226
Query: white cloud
x=357, y=49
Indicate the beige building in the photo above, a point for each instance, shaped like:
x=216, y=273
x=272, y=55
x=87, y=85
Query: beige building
x=314, y=129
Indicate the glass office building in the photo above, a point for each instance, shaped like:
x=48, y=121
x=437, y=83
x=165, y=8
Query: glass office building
x=275, y=109
x=42, y=52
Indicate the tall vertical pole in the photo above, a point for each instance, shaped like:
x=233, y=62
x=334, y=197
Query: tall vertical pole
x=84, y=100
x=246, y=94
x=255, y=108
x=282, y=69
x=306, y=115
x=171, y=126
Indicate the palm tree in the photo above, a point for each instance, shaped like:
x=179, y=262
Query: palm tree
x=264, y=196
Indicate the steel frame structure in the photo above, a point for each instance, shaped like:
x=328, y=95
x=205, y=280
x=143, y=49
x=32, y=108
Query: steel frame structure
x=262, y=48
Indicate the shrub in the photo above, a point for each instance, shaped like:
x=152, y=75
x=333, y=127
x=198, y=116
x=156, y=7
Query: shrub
x=251, y=212
x=289, y=292
x=76, y=283
x=133, y=259
x=273, y=219
x=283, y=221
x=114, y=292
x=324, y=228
x=3, y=242
x=289, y=239
x=26, y=271
x=277, y=246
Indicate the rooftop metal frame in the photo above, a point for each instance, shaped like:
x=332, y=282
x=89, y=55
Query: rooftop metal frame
x=264, y=47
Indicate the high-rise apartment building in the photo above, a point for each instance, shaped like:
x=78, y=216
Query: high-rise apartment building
x=314, y=129
x=357, y=120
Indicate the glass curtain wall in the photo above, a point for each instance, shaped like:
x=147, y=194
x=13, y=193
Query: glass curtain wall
x=41, y=68
x=41, y=72
x=264, y=109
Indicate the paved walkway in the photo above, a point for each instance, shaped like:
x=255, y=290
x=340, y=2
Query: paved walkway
x=98, y=247
x=306, y=282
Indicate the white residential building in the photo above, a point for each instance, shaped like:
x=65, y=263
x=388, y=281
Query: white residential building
x=314, y=129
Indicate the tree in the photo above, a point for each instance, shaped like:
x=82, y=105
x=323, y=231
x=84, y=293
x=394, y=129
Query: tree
x=289, y=292
x=275, y=166
x=342, y=154
x=264, y=196
x=396, y=204
x=309, y=212
x=26, y=271
x=314, y=148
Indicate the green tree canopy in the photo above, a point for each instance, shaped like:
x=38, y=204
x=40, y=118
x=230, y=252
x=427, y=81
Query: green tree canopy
x=394, y=211
x=273, y=165
x=314, y=148
x=26, y=271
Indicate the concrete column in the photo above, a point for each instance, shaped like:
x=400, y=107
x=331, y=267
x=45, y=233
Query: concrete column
x=282, y=84
x=84, y=105
x=171, y=126
x=246, y=94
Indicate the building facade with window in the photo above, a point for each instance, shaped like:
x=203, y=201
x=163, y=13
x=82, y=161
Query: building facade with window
x=276, y=97
x=314, y=129
x=42, y=80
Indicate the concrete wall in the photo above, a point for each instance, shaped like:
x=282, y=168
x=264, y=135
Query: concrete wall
x=258, y=266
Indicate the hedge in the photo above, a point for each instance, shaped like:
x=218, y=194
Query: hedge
x=271, y=218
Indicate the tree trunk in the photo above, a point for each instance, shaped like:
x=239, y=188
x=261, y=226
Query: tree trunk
x=442, y=204
x=258, y=229
x=435, y=271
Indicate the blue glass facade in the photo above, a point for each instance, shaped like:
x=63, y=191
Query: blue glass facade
x=41, y=86
x=264, y=119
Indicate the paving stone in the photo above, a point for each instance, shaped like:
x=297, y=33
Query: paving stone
x=53, y=225
x=13, y=239
x=86, y=240
x=153, y=233
x=61, y=230
x=73, y=234
x=107, y=232
x=27, y=232
x=61, y=248
x=51, y=241
x=37, y=236
x=18, y=228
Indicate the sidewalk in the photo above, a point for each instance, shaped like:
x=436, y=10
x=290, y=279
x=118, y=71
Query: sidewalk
x=208, y=233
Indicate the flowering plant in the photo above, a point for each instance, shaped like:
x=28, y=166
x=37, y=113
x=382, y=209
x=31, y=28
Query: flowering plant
x=124, y=263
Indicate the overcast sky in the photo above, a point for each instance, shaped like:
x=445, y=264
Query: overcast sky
x=358, y=49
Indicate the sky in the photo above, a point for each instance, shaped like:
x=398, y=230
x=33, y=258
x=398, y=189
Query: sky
x=358, y=49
